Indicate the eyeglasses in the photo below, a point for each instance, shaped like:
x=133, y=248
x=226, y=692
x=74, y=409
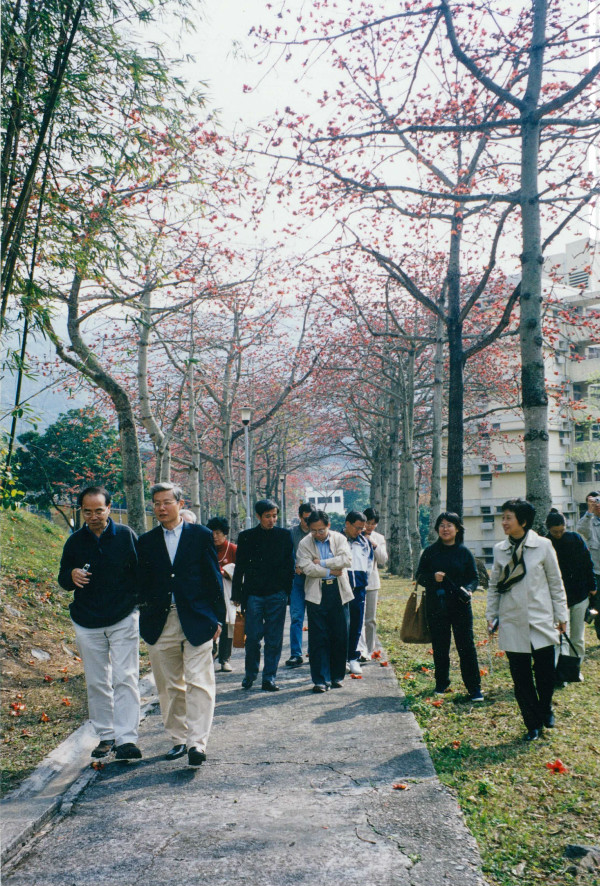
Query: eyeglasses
x=318, y=531
x=170, y=501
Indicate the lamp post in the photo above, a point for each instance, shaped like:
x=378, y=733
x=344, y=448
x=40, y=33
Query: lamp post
x=246, y=416
x=282, y=498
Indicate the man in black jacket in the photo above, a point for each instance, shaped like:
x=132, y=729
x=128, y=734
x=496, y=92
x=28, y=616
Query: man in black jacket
x=99, y=564
x=182, y=608
x=262, y=582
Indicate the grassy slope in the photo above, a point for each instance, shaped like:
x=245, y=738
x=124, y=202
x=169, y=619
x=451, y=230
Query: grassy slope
x=35, y=615
x=521, y=813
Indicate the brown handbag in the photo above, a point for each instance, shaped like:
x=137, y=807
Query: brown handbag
x=414, y=623
x=239, y=631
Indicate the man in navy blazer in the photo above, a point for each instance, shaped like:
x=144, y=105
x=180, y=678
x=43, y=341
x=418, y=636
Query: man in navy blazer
x=182, y=608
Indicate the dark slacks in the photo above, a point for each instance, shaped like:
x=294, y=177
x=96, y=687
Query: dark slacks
x=356, y=608
x=447, y=616
x=327, y=636
x=534, y=698
x=265, y=617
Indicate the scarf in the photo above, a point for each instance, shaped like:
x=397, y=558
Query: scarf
x=515, y=570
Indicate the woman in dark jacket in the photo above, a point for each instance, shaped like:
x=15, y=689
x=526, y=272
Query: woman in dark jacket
x=448, y=572
x=577, y=570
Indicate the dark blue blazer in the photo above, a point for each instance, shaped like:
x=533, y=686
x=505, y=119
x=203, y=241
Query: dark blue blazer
x=194, y=578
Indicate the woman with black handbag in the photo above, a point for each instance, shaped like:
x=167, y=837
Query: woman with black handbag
x=528, y=605
x=577, y=570
x=448, y=572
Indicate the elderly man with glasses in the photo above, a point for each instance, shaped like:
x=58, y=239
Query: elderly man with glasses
x=182, y=610
x=324, y=557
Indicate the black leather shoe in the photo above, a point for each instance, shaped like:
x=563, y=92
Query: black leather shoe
x=128, y=751
x=294, y=662
x=176, y=752
x=196, y=757
x=336, y=684
x=103, y=749
x=319, y=687
x=247, y=683
x=549, y=720
x=532, y=735
x=270, y=686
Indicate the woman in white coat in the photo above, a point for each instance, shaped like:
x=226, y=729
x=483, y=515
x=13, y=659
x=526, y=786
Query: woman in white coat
x=528, y=605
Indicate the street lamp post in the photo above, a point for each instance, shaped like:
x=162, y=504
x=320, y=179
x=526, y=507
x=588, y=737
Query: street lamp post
x=246, y=416
x=282, y=498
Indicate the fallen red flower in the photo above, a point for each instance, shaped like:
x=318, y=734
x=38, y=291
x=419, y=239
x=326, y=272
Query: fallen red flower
x=400, y=786
x=48, y=678
x=456, y=744
x=483, y=672
x=437, y=703
x=376, y=654
x=66, y=702
x=356, y=676
x=383, y=664
x=557, y=766
x=44, y=718
x=96, y=764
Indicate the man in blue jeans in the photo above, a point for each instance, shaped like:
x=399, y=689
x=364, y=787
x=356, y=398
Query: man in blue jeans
x=297, y=602
x=262, y=582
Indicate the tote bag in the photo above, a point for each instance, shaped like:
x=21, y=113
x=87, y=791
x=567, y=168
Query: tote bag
x=567, y=666
x=414, y=623
x=239, y=631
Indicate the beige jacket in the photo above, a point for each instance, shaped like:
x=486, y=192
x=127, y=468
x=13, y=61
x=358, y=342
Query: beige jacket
x=380, y=558
x=528, y=612
x=342, y=559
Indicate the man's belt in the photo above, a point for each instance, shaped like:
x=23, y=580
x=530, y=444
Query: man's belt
x=329, y=581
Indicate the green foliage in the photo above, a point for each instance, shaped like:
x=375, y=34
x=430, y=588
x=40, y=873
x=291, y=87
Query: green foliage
x=79, y=449
x=10, y=494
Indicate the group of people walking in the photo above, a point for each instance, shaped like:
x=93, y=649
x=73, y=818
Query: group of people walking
x=538, y=588
x=181, y=584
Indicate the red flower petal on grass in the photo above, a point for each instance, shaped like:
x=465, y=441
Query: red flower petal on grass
x=48, y=678
x=483, y=672
x=499, y=654
x=44, y=718
x=558, y=767
x=438, y=702
x=356, y=676
x=400, y=786
x=383, y=664
x=376, y=654
x=456, y=744
x=408, y=676
x=66, y=701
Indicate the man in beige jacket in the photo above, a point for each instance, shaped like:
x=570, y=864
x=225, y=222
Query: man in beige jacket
x=324, y=557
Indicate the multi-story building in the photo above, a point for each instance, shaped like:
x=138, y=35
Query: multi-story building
x=329, y=500
x=573, y=378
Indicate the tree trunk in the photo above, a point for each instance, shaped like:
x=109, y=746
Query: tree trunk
x=89, y=365
x=437, y=410
x=533, y=380
x=456, y=427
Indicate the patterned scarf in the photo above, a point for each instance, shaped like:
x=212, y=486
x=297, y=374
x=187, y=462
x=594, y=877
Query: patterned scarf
x=515, y=570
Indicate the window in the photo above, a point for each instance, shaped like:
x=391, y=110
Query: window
x=488, y=518
x=584, y=472
x=486, y=509
x=581, y=433
x=484, y=469
x=496, y=426
x=324, y=499
x=596, y=472
x=485, y=478
x=488, y=552
x=337, y=499
x=312, y=501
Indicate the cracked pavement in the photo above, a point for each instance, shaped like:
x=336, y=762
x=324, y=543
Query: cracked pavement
x=297, y=790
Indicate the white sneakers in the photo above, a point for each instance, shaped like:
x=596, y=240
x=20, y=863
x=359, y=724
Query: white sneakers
x=354, y=667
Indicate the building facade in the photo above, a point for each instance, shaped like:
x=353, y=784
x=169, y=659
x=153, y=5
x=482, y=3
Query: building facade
x=573, y=380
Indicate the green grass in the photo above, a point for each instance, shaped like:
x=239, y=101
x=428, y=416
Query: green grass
x=521, y=813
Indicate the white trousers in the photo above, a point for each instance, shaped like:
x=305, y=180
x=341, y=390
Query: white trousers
x=111, y=663
x=577, y=626
x=369, y=642
x=185, y=680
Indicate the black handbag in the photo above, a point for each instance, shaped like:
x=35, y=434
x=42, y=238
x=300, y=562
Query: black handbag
x=567, y=666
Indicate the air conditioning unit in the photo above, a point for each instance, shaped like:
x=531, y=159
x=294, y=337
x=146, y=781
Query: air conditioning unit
x=567, y=481
x=485, y=484
x=564, y=441
x=487, y=526
x=560, y=359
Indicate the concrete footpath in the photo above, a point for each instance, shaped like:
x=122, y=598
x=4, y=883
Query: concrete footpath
x=297, y=790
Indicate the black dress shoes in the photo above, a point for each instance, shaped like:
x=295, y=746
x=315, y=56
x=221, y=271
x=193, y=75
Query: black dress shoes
x=336, y=684
x=532, y=735
x=176, y=752
x=270, y=686
x=247, y=683
x=128, y=751
x=103, y=749
x=319, y=687
x=196, y=757
x=549, y=720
